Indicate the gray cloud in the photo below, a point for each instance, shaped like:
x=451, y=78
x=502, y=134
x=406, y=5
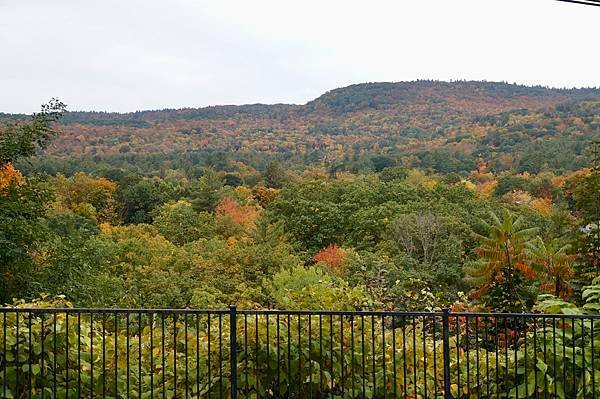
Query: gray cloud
x=129, y=55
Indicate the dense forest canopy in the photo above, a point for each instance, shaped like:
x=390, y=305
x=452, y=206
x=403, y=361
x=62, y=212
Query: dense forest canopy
x=403, y=196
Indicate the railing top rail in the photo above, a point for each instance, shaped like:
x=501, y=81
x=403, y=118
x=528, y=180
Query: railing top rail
x=112, y=310
x=292, y=312
x=525, y=315
x=338, y=313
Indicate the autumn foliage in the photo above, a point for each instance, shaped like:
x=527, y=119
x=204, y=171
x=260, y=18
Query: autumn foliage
x=333, y=257
x=244, y=215
x=9, y=176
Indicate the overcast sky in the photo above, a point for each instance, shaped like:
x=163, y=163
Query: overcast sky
x=127, y=55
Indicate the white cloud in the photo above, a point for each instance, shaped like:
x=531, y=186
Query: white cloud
x=129, y=55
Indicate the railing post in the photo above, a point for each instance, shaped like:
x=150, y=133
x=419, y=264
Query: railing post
x=233, y=349
x=446, y=331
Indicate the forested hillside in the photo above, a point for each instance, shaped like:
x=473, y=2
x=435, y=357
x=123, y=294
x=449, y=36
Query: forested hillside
x=438, y=126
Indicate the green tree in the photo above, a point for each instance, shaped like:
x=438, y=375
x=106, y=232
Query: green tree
x=180, y=224
x=207, y=192
x=140, y=199
x=23, y=202
x=274, y=176
x=22, y=140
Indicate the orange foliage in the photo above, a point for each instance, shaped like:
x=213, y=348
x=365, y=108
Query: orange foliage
x=9, y=175
x=527, y=271
x=243, y=215
x=333, y=257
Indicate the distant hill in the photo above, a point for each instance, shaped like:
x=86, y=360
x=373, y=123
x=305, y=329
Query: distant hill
x=432, y=123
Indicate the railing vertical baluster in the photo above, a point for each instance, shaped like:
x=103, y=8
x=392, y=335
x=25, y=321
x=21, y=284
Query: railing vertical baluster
x=299, y=358
x=92, y=355
x=423, y=338
x=331, y=351
x=220, y=356
x=17, y=365
x=140, y=329
x=583, y=382
x=506, y=345
x=554, y=366
x=256, y=365
x=4, y=360
x=383, y=354
x=535, y=368
x=525, y=351
x=342, y=354
x=246, y=354
x=545, y=358
x=175, y=354
x=278, y=354
x=457, y=336
x=233, y=349
x=42, y=354
x=151, y=327
x=574, y=351
x=54, y=376
x=446, y=349
x=394, y=356
x=564, y=352
x=209, y=383
x=477, y=372
x=487, y=355
x=127, y=355
x=404, y=376
x=321, y=363
x=362, y=338
x=103, y=355
x=592, y=339
x=30, y=360
x=468, y=357
x=116, y=338
x=373, y=371
x=352, y=353
x=414, y=347
x=435, y=371
x=310, y=383
x=187, y=376
x=162, y=357
x=289, y=356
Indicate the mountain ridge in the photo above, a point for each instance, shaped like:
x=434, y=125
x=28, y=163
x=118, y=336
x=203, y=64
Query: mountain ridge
x=428, y=124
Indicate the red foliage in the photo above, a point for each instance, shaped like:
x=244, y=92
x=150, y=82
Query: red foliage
x=333, y=257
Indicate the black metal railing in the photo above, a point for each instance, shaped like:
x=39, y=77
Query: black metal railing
x=142, y=353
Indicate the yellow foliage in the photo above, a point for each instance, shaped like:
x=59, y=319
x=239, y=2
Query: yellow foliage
x=430, y=183
x=105, y=227
x=542, y=205
x=470, y=186
x=243, y=192
x=558, y=181
x=485, y=190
